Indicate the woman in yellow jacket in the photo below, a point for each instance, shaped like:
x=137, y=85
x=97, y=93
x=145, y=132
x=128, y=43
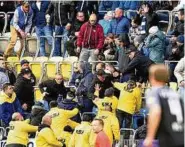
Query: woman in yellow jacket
x=80, y=137
x=19, y=129
x=109, y=99
x=129, y=102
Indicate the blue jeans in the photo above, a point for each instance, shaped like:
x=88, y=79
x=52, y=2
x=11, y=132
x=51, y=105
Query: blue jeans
x=44, y=31
x=60, y=30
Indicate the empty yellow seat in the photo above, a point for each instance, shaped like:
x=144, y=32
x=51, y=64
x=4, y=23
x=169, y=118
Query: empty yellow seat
x=13, y=59
x=37, y=94
x=50, y=69
x=65, y=69
x=30, y=59
x=41, y=59
x=17, y=67
x=36, y=68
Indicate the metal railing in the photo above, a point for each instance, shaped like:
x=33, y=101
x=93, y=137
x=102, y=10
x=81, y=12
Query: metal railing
x=5, y=22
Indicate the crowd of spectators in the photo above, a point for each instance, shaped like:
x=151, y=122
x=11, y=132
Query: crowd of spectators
x=93, y=31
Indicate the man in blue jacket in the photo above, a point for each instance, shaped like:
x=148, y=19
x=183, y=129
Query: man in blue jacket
x=42, y=24
x=120, y=24
x=9, y=104
x=20, y=27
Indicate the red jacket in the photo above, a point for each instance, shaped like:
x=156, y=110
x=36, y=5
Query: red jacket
x=91, y=36
x=102, y=140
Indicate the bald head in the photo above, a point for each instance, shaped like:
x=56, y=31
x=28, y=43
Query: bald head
x=17, y=117
x=93, y=19
x=47, y=120
x=158, y=73
x=118, y=13
x=58, y=78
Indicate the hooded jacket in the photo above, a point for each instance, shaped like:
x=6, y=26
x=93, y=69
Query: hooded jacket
x=87, y=78
x=91, y=37
x=46, y=138
x=59, y=119
x=111, y=125
x=18, y=133
x=156, y=45
x=129, y=101
x=81, y=135
x=8, y=106
x=36, y=116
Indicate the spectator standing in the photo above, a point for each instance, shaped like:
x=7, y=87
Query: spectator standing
x=90, y=39
x=42, y=23
x=166, y=111
x=20, y=27
x=3, y=76
x=64, y=14
x=19, y=129
x=45, y=135
x=120, y=24
x=179, y=73
x=102, y=139
x=9, y=104
x=81, y=133
x=25, y=90
x=156, y=45
x=129, y=102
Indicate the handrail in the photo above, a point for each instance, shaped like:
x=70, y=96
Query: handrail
x=5, y=22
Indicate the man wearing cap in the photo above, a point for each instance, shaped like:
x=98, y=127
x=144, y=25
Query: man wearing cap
x=24, y=89
x=20, y=27
x=138, y=62
x=90, y=40
x=25, y=64
x=19, y=129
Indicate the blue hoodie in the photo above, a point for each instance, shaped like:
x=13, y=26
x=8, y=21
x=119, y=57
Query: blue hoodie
x=8, y=106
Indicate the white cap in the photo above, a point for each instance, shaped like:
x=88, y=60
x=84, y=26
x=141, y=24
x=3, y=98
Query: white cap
x=153, y=30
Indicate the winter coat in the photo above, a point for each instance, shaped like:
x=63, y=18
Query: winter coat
x=25, y=91
x=86, y=80
x=156, y=45
x=76, y=27
x=120, y=25
x=106, y=24
x=36, y=116
x=179, y=71
x=141, y=64
x=8, y=106
x=33, y=78
x=179, y=28
x=91, y=36
x=3, y=77
x=61, y=10
x=46, y=137
x=39, y=15
x=53, y=89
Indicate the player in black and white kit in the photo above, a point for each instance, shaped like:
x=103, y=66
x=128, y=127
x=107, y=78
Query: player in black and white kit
x=166, y=111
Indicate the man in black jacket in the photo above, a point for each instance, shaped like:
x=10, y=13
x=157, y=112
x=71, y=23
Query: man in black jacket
x=62, y=9
x=24, y=89
x=51, y=89
x=138, y=62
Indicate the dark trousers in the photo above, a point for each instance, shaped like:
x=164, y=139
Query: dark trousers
x=124, y=116
x=15, y=145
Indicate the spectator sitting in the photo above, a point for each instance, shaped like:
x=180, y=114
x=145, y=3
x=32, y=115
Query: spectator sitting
x=68, y=103
x=106, y=22
x=156, y=45
x=9, y=104
x=90, y=39
x=24, y=89
x=37, y=113
x=120, y=24
x=51, y=89
x=20, y=27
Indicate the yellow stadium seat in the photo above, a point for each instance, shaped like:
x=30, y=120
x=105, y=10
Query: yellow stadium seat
x=41, y=59
x=173, y=85
x=17, y=67
x=37, y=94
x=71, y=59
x=56, y=59
x=36, y=68
x=50, y=69
x=13, y=59
x=65, y=69
x=30, y=59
